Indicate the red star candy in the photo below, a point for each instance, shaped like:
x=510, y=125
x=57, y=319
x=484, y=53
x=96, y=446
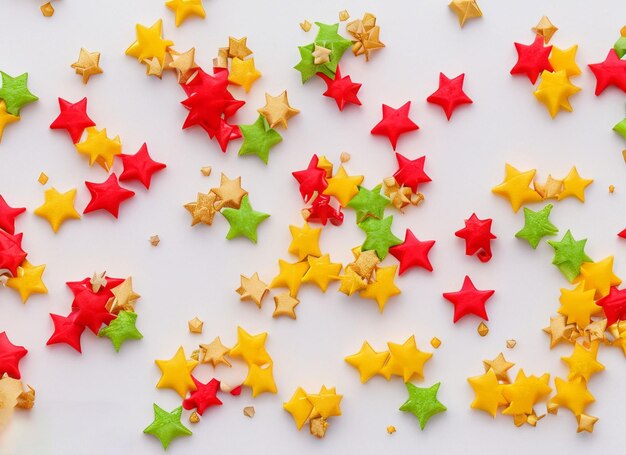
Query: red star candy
x=11, y=253
x=140, y=166
x=226, y=133
x=8, y=215
x=533, y=59
x=73, y=118
x=77, y=287
x=622, y=234
x=614, y=305
x=91, y=309
x=450, y=94
x=10, y=356
x=468, y=300
x=412, y=253
x=311, y=180
x=66, y=330
x=394, y=123
x=478, y=236
x=321, y=212
x=203, y=397
x=342, y=89
x=612, y=71
x=411, y=172
x=107, y=195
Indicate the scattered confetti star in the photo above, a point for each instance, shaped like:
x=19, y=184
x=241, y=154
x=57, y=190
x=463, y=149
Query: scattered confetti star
x=121, y=329
x=536, y=226
x=253, y=289
x=238, y=48
x=277, y=110
x=176, y=373
x=290, y=276
x=243, y=221
x=251, y=348
x=488, y=393
x=10, y=356
x=203, y=397
x=14, y=92
x=379, y=236
x=583, y=363
x=569, y=254
x=66, y=330
x=343, y=186
x=260, y=380
x=598, y=276
x=578, y=305
x=450, y=94
x=58, y=208
x=149, y=43
x=203, y=210
x=574, y=185
x=341, y=89
x=367, y=361
x=258, y=139
x=565, y=60
x=184, y=9
x=140, y=166
x=107, y=196
x=558, y=330
x=405, y=360
x=572, y=395
x=215, y=353
x=395, y=122
x=321, y=271
x=285, y=305
x=412, y=253
x=477, y=235
x=383, y=288
x=554, y=91
x=229, y=193
x=6, y=118
x=469, y=300
x=423, y=402
x=243, y=73
x=516, y=187
x=8, y=215
x=305, y=241
x=368, y=203
x=167, y=426
x=612, y=71
x=73, y=118
x=28, y=280
x=532, y=59
x=525, y=392
x=545, y=29
x=87, y=65
x=99, y=147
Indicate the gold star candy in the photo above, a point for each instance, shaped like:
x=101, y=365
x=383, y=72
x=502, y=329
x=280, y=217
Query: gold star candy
x=545, y=28
x=277, y=109
x=320, y=55
x=215, y=353
x=482, y=329
x=47, y=9
x=500, y=367
x=305, y=25
x=238, y=48
x=558, y=330
x=285, y=305
x=465, y=10
x=195, y=325
x=249, y=411
x=585, y=423
x=154, y=240
x=366, y=35
x=229, y=193
x=87, y=64
x=26, y=399
x=153, y=67
x=184, y=64
x=551, y=189
x=595, y=330
x=123, y=297
x=318, y=427
x=43, y=178
x=365, y=263
x=203, y=210
x=97, y=281
x=253, y=289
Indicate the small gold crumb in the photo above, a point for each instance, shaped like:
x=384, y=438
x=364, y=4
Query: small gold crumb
x=305, y=25
x=623, y=31
x=249, y=411
x=195, y=325
x=417, y=198
x=195, y=355
x=225, y=387
x=344, y=157
x=624, y=155
x=344, y=16
x=154, y=240
x=511, y=344
x=206, y=170
x=43, y=178
x=318, y=427
x=47, y=10
x=435, y=342
x=97, y=281
x=194, y=417
x=482, y=329
x=552, y=408
x=611, y=188
x=391, y=429
x=26, y=400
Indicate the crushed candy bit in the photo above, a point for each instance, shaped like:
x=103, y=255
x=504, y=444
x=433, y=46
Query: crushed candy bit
x=195, y=325
x=43, y=178
x=482, y=329
x=154, y=240
x=47, y=9
x=249, y=411
x=435, y=342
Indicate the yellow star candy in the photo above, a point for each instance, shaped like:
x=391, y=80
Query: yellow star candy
x=58, y=207
x=99, y=148
x=351, y=282
x=565, y=60
x=554, y=91
x=260, y=380
x=465, y=9
x=367, y=361
x=578, y=305
x=598, y=276
x=488, y=393
x=343, y=187
x=326, y=403
x=185, y=8
x=558, y=330
x=277, y=110
x=243, y=73
x=383, y=288
x=321, y=271
x=574, y=185
x=215, y=352
x=324, y=163
x=252, y=289
x=572, y=395
x=582, y=363
x=290, y=276
x=525, y=392
x=299, y=407
x=28, y=280
x=516, y=187
x=251, y=348
x=149, y=43
x=405, y=360
x=305, y=241
x=5, y=118
x=285, y=305
x=176, y=373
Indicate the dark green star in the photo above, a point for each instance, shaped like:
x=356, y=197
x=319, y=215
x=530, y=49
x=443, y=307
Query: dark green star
x=369, y=203
x=423, y=402
x=121, y=329
x=243, y=221
x=569, y=254
x=258, y=139
x=15, y=92
x=537, y=225
x=167, y=426
x=379, y=236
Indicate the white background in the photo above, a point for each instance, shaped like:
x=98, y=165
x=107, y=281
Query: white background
x=100, y=402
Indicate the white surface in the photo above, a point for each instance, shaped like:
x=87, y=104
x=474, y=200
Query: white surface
x=101, y=401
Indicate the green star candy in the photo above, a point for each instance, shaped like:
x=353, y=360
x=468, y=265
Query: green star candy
x=258, y=139
x=15, y=92
x=328, y=37
x=423, y=402
x=537, y=225
x=379, y=236
x=243, y=221
x=369, y=203
x=620, y=46
x=569, y=254
x=167, y=426
x=621, y=128
x=307, y=66
x=121, y=329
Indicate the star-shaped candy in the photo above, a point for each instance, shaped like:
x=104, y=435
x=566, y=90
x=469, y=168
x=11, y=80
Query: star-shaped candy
x=554, y=91
x=545, y=28
x=184, y=9
x=469, y=300
x=565, y=60
x=500, y=367
x=99, y=147
x=260, y=380
x=251, y=348
x=583, y=363
x=305, y=241
x=532, y=59
x=215, y=353
x=379, y=236
x=366, y=35
x=258, y=139
x=585, y=423
x=140, y=166
x=8, y=215
x=450, y=94
x=176, y=373
x=290, y=276
x=612, y=71
x=252, y=289
x=121, y=329
x=91, y=309
x=578, y=305
x=341, y=89
x=277, y=110
x=487, y=393
x=285, y=305
x=124, y=296
x=150, y=43
x=73, y=118
x=10, y=356
x=320, y=55
x=6, y=118
x=395, y=122
x=343, y=186
x=367, y=361
x=423, y=402
x=243, y=221
x=321, y=211
x=203, y=397
x=307, y=66
x=477, y=235
x=598, y=276
x=87, y=65
x=537, y=225
x=28, y=280
x=229, y=193
x=405, y=360
x=411, y=172
x=351, y=282
x=11, y=253
x=14, y=92
x=66, y=330
x=569, y=254
x=525, y=392
x=243, y=73
x=614, y=305
x=299, y=407
x=327, y=38
x=203, y=209
x=465, y=10
x=58, y=207
x=326, y=403
x=559, y=330
x=238, y=48
x=167, y=426
x=412, y=253
x=312, y=179
x=107, y=195
x=383, y=288
x=516, y=187
x=574, y=185
x=184, y=63
x=368, y=203
x=321, y=271
x=572, y=394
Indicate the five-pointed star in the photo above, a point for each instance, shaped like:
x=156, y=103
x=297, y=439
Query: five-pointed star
x=572, y=394
x=290, y=276
x=277, y=110
x=73, y=118
x=108, y=196
x=351, y=282
x=585, y=423
x=367, y=361
x=578, y=305
x=258, y=139
x=423, y=402
x=411, y=172
x=176, y=373
x=215, y=353
x=525, y=392
x=124, y=297
x=598, y=276
x=465, y=10
x=203, y=210
x=305, y=241
x=565, y=60
x=341, y=89
x=537, y=225
x=285, y=305
x=558, y=330
x=500, y=367
x=260, y=380
x=365, y=262
x=369, y=203
x=569, y=254
x=251, y=348
x=184, y=64
x=8, y=215
x=574, y=185
x=614, y=306
x=320, y=55
x=469, y=300
x=185, y=8
x=121, y=329
x=532, y=59
x=549, y=190
x=243, y=73
x=167, y=426
x=412, y=253
x=99, y=147
x=237, y=48
x=149, y=43
x=516, y=187
x=488, y=393
x=321, y=271
x=253, y=289
x=545, y=28
x=229, y=193
x=405, y=360
x=203, y=397
x=395, y=122
x=87, y=64
x=6, y=118
x=450, y=94
x=379, y=236
x=478, y=236
x=326, y=403
x=582, y=363
x=28, y=280
x=366, y=34
x=243, y=221
x=343, y=186
x=58, y=207
x=383, y=288
x=554, y=91
x=612, y=71
x=14, y=92
x=299, y=407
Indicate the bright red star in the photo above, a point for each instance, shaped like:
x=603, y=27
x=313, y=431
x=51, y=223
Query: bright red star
x=478, y=236
x=311, y=180
x=411, y=172
x=412, y=253
x=107, y=195
x=532, y=59
x=395, y=122
x=10, y=356
x=66, y=330
x=8, y=215
x=73, y=118
x=468, y=300
x=450, y=94
x=342, y=89
x=203, y=397
x=140, y=166
x=11, y=253
x=614, y=305
x=612, y=71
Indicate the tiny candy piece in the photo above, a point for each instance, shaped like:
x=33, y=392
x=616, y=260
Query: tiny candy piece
x=412, y=253
x=249, y=411
x=344, y=15
x=107, y=195
x=167, y=426
x=469, y=300
x=536, y=226
x=612, y=71
x=140, y=166
x=58, y=207
x=482, y=329
x=73, y=118
x=435, y=342
x=423, y=402
x=395, y=122
x=545, y=29
x=252, y=289
x=574, y=185
x=186, y=8
x=532, y=59
x=154, y=240
x=391, y=429
x=195, y=325
x=87, y=64
x=243, y=221
x=585, y=423
x=47, y=9
x=465, y=10
x=516, y=187
x=305, y=25
x=14, y=92
x=277, y=110
x=450, y=94
x=10, y=356
x=206, y=171
x=620, y=128
x=43, y=178
x=194, y=417
x=285, y=305
x=510, y=344
x=121, y=329
x=477, y=235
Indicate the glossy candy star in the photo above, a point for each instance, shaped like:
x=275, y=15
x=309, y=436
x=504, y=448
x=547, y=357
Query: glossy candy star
x=290, y=276
x=258, y=139
x=73, y=118
x=405, y=360
x=176, y=373
x=66, y=330
x=11, y=253
x=465, y=10
x=411, y=173
x=487, y=393
x=6, y=118
x=150, y=43
x=583, y=362
x=252, y=289
x=578, y=305
x=572, y=394
x=598, y=276
x=10, y=356
x=450, y=94
x=412, y=253
x=612, y=71
x=167, y=426
x=215, y=353
x=251, y=348
x=186, y=8
x=532, y=59
x=305, y=241
x=569, y=255
x=574, y=185
x=525, y=392
x=243, y=221
x=321, y=212
x=367, y=361
x=14, y=92
x=565, y=60
x=423, y=402
x=341, y=89
x=238, y=48
x=299, y=407
x=469, y=300
x=311, y=180
x=537, y=225
x=516, y=187
x=140, y=166
x=379, y=236
x=28, y=280
x=395, y=122
x=383, y=288
x=545, y=28
x=99, y=147
x=321, y=271
x=554, y=91
x=87, y=65
x=369, y=203
x=121, y=329
x=260, y=380
x=203, y=397
x=277, y=110
x=328, y=38
x=58, y=207
x=8, y=215
x=243, y=73
x=343, y=186
x=91, y=309
x=477, y=235
x=229, y=193
x=614, y=305
x=107, y=195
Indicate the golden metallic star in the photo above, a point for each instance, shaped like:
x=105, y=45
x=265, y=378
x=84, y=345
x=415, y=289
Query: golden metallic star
x=123, y=297
x=285, y=305
x=500, y=367
x=184, y=64
x=545, y=28
x=203, y=210
x=277, y=109
x=320, y=55
x=215, y=353
x=229, y=193
x=87, y=64
x=253, y=289
x=238, y=48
